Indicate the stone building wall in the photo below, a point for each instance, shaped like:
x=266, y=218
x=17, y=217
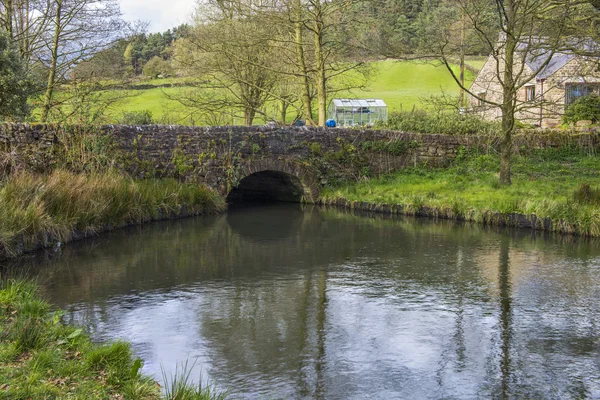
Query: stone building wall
x=548, y=107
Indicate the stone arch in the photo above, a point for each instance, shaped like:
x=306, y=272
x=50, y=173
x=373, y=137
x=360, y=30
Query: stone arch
x=275, y=180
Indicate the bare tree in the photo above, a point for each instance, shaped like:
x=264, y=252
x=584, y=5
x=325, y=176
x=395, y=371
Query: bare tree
x=322, y=38
x=307, y=45
x=79, y=29
x=227, y=57
x=26, y=22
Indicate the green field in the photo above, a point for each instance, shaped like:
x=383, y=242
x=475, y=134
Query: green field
x=407, y=84
x=403, y=85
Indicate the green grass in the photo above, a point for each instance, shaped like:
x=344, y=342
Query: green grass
x=40, y=210
x=41, y=358
x=157, y=101
x=404, y=85
x=476, y=62
x=556, y=184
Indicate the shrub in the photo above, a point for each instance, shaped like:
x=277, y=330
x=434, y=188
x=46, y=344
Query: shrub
x=584, y=108
x=156, y=67
x=143, y=117
x=440, y=123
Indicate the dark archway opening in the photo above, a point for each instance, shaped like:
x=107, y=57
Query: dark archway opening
x=267, y=187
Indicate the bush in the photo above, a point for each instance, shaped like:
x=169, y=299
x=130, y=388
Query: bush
x=584, y=108
x=447, y=123
x=143, y=117
x=156, y=67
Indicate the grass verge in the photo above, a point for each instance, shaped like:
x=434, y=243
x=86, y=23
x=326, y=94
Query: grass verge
x=556, y=190
x=41, y=358
x=41, y=210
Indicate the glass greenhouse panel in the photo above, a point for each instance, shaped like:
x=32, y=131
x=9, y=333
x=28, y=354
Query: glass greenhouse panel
x=357, y=112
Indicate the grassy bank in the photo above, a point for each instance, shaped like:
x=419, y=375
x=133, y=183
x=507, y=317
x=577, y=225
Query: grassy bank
x=42, y=210
x=41, y=358
x=560, y=185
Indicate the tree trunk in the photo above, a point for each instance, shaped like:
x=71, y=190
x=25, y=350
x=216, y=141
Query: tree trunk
x=306, y=100
x=54, y=60
x=283, y=107
x=249, y=114
x=9, y=19
x=461, y=101
x=321, y=79
x=25, y=47
x=508, y=95
x=508, y=125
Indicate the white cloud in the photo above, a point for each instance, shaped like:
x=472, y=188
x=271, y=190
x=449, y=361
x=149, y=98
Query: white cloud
x=162, y=14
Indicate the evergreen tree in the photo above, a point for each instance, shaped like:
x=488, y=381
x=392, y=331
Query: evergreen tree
x=14, y=85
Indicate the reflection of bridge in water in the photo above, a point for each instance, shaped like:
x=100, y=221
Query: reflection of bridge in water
x=320, y=302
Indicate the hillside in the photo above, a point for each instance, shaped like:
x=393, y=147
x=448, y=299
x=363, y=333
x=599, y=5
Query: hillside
x=402, y=84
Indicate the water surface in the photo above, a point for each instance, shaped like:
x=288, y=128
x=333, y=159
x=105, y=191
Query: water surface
x=292, y=302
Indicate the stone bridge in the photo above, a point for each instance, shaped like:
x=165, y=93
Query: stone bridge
x=246, y=163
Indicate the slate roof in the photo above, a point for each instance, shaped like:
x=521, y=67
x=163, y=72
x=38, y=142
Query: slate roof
x=559, y=58
x=558, y=61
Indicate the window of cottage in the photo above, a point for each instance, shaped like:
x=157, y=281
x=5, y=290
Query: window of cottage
x=573, y=91
x=529, y=93
x=481, y=99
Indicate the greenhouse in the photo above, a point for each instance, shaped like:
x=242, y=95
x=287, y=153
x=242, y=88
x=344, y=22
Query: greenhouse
x=357, y=112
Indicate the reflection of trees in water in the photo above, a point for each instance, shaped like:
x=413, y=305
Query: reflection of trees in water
x=280, y=264
x=506, y=316
x=271, y=330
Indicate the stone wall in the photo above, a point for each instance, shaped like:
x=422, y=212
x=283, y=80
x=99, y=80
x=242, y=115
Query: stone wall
x=222, y=156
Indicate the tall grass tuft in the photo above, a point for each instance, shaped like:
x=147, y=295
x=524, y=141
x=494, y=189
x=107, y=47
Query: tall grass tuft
x=587, y=195
x=40, y=210
x=180, y=386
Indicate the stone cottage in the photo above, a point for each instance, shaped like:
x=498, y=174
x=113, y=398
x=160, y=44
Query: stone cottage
x=550, y=87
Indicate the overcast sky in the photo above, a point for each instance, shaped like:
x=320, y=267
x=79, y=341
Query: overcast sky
x=162, y=14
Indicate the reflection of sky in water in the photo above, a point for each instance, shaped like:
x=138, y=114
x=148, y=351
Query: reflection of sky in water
x=342, y=307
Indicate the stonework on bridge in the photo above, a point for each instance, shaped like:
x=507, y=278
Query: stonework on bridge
x=281, y=163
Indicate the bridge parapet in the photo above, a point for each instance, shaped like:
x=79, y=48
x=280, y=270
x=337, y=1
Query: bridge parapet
x=222, y=157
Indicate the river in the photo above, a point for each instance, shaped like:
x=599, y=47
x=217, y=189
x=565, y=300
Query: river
x=290, y=301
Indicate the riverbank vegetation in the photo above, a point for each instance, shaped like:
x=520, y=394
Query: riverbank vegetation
x=41, y=358
x=44, y=210
x=562, y=185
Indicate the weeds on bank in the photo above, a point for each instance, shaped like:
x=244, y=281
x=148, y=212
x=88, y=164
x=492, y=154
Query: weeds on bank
x=40, y=358
x=560, y=184
x=39, y=210
x=180, y=385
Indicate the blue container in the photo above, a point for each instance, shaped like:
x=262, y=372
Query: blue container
x=331, y=123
